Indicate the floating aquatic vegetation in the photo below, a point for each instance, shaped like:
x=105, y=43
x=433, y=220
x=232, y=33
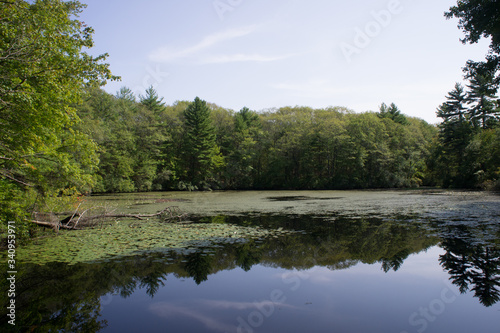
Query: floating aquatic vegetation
x=130, y=237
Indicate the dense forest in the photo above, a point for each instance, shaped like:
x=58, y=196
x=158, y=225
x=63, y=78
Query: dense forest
x=145, y=145
x=62, y=135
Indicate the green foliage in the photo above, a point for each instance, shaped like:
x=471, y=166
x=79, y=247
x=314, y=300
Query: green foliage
x=333, y=149
x=465, y=155
x=484, y=150
x=151, y=101
x=243, y=150
x=200, y=156
x=465, y=138
x=195, y=145
x=61, y=135
x=479, y=19
x=484, y=111
x=43, y=70
x=392, y=112
x=453, y=109
x=130, y=137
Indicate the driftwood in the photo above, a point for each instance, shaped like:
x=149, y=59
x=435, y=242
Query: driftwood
x=79, y=221
x=55, y=226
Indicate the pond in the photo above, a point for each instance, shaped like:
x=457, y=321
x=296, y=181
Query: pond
x=286, y=261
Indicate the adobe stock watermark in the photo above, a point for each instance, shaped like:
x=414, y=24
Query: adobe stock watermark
x=153, y=77
x=363, y=37
x=421, y=319
x=277, y=298
x=224, y=6
x=11, y=273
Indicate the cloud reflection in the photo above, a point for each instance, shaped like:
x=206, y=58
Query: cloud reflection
x=167, y=310
x=172, y=311
x=244, y=305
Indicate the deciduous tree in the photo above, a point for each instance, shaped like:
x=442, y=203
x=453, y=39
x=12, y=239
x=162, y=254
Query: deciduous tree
x=44, y=68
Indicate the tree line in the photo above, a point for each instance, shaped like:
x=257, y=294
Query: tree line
x=146, y=145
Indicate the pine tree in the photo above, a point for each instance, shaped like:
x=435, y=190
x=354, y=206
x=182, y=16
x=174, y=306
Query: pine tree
x=126, y=94
x=201, y=154
x=455, y=135
x=484, y=111
x=453, y=109
x=392, y=112
x=152, y=102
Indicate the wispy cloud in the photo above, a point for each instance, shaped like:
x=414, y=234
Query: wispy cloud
x=200, y=53
x=244, y=305
x=168, y=53
x=205, y=316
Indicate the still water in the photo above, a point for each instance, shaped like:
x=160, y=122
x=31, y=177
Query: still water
x=355, y=261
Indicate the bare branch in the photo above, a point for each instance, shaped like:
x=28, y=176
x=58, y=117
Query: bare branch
x=54, y=226
x=6, y=175
x=83, y=220
x=74, y=214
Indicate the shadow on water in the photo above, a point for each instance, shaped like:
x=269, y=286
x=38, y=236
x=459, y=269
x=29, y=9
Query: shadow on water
x=57, y=296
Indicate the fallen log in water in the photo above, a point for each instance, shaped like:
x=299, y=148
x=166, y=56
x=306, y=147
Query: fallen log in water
x=53, y=225
x=79, y=221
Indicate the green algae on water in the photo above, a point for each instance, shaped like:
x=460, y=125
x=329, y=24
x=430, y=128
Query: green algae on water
x=125, y=238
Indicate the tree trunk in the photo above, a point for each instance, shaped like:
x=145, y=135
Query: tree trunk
x=78, y=221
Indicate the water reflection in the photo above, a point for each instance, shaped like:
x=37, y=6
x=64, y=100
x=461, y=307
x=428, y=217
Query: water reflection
x=475, y=268
x=60, y=297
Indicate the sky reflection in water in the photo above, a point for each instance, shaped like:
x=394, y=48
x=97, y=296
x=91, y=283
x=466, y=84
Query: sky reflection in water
x=416, y=298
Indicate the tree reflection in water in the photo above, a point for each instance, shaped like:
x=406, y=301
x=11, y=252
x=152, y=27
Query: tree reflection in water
x=59, y=297
x=472, y=265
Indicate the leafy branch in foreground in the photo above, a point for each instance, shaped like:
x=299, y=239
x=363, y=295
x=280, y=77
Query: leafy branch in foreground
x=44, y=69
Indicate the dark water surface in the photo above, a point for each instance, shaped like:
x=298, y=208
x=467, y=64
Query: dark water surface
x=370, y=261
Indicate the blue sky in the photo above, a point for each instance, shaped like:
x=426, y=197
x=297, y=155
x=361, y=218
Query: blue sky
x=264, y=54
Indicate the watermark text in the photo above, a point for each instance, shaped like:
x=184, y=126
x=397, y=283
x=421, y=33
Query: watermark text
x=224, y=6
x=11, y=273
x=363, y=37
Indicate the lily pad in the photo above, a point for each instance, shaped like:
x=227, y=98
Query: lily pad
x=121, y=239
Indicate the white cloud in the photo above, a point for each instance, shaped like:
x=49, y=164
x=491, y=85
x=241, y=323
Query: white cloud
x=200, y=53
x=168, y=54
